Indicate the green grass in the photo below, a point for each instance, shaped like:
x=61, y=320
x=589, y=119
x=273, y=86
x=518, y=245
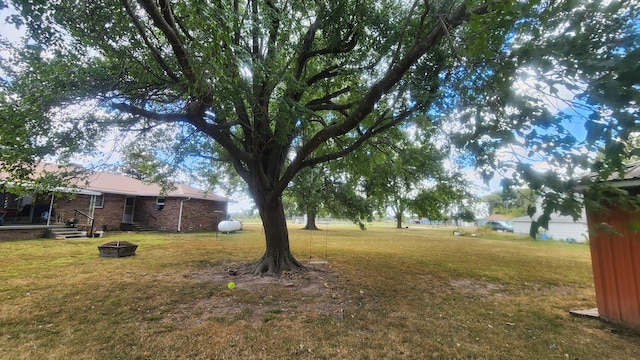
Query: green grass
x=417, y=293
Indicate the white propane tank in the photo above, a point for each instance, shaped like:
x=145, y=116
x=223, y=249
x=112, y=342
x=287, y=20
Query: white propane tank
x=228, y=226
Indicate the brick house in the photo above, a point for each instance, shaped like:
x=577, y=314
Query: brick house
x=118, y=202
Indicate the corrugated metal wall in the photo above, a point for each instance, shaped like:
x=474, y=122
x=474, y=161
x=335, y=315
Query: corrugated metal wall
x=615, y=260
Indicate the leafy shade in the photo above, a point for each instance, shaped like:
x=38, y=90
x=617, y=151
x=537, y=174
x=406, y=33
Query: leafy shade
x=273, y=87
x=442, y=201
x=330, y=189
x=397, y=169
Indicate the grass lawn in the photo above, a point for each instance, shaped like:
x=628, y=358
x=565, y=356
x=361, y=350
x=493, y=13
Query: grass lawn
x=386, y=293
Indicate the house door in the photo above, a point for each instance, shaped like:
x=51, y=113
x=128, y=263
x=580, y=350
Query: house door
x=129, y=204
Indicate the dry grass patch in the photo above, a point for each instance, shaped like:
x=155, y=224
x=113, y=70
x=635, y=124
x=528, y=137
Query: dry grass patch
x=416, y=293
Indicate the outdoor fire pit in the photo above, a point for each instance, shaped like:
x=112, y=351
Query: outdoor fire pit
x=117, y=249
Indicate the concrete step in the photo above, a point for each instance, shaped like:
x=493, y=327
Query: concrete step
x=66, y=233
x=140, y=227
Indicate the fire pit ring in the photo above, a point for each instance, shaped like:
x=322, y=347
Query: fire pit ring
x=116, y=249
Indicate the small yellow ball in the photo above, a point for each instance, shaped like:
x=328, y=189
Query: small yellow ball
x=231, y=285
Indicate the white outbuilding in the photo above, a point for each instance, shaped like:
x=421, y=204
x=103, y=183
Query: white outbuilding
x=562, y=228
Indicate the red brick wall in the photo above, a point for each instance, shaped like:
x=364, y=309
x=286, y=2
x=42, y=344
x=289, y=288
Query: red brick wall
x=197, y=215
x=110, y=214
x=65, y=207
x=200, y=215
x=8, y=233
x=145, y=212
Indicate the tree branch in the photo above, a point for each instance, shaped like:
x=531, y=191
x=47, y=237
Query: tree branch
x=167, y=13
x=221, y=134
x=327, y=98
x=273, y=33
x=370, y=133
x=209, y=157
x=342, y=48
x=324, y=74
x=327, y=106
x=224, y=137
x=154, y=51
x=325, y=103
x=377, y=90
x=136, y=111
x=169, y=30
x=307, y=43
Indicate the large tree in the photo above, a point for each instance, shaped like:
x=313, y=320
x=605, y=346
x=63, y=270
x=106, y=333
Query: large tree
x=250, y=80
x=399, y=168
x=510, y=201
x=444, y=200
x=331, y=189
x=308, y=190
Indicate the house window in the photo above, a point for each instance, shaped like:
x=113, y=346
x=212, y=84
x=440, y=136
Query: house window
x=99, y=204
x=160, y=203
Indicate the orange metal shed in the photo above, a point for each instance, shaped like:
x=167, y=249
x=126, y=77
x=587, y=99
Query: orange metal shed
x=615, y=258
x=614, y=239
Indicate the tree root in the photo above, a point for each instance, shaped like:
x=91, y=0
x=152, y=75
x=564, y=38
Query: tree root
x=275, y=264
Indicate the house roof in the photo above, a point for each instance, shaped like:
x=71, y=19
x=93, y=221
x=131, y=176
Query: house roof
x=631, y=177
x=119, y=184
x=104, y=182
x=553, y=217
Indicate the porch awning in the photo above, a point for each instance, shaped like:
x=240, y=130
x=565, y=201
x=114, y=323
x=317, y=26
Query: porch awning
x=61, y=189
x=76, y=191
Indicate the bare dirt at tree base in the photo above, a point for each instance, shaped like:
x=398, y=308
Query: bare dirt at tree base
x=311, y=293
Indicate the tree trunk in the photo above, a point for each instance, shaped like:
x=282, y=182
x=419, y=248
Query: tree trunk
x=311, y=220
x=277, y=257
x=399, y=220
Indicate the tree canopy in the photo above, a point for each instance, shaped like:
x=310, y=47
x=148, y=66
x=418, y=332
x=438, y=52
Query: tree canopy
x=510, y=201
x=272, y=87
x=330, y=189
x=444, y=200
x=395, y=170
